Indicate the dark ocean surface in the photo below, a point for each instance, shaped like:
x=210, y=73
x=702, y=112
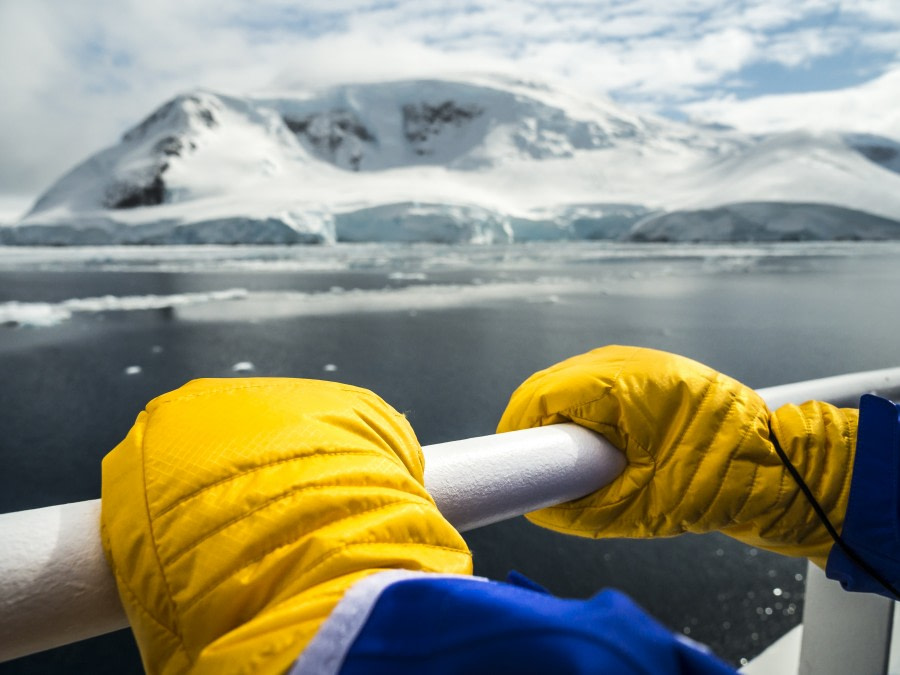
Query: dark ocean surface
x=444, y=333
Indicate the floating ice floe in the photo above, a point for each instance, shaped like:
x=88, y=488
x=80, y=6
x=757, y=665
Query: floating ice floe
x=243, y=367
x=133, y=370
x=49, y=314
x=407, y=276
x=273, y=305
x=329, y=367
x=32, y=314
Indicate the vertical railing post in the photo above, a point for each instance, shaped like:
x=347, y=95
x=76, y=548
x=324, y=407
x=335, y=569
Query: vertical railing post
x=843, y=632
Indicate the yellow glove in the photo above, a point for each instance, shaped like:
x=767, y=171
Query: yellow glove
x=237, y=512
x=700, y=452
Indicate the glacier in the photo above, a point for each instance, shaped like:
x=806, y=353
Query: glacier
x=476, y=159
x=765, y=222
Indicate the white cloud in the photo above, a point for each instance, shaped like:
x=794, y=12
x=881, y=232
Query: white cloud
x=803, y=46
x=870, y=108
x=886, y=41
x=84, y=71
x=875, y=10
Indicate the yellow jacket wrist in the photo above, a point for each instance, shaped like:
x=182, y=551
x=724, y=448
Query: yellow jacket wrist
x=237, y=512
x=700, y=451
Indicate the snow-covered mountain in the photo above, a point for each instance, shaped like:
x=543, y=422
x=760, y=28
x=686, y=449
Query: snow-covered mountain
x=476, y=159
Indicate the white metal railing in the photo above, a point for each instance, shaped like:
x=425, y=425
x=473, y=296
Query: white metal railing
x=55, y=587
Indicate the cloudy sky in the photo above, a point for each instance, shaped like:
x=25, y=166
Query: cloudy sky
x=75, y=75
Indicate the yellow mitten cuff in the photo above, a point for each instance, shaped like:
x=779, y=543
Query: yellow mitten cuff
x=820, y=442
x=237, y=512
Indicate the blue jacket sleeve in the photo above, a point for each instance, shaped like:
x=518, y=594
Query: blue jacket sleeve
x=871, y=528
x=445, y=626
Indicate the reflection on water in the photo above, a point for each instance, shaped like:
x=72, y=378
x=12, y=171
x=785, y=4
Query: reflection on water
x=444, y=334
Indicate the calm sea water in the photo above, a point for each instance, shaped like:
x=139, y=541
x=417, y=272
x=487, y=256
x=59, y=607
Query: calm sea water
x=87, y=336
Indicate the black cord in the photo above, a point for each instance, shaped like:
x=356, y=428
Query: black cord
x=820, y=512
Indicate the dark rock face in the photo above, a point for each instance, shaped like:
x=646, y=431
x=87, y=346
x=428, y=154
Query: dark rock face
x=331, y=132
x=880, y=154
x=172, y=146
x=149, y=190
x=423, y=121
x=879, y=150
x=340, y=123
x=205, y=114
x=131, y=195
x=148, y=187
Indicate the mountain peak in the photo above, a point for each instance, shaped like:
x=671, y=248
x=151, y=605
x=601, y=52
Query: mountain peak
x=198, y=108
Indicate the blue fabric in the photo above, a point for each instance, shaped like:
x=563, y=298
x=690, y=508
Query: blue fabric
x=872, y=522
x=440, y=626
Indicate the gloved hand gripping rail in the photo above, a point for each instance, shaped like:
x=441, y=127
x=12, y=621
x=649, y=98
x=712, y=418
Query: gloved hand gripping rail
x=55, y=587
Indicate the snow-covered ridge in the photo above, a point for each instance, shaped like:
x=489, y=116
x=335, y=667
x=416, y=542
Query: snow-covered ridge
x=476, y=160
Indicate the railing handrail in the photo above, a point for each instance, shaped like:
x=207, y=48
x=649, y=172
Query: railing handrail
x=55, y=586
